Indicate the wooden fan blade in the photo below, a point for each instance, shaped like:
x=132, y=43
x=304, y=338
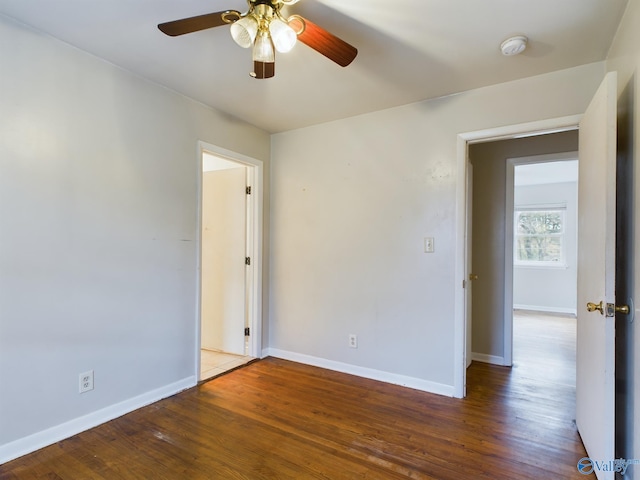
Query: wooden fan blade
x=201, y=22
x=323, y=42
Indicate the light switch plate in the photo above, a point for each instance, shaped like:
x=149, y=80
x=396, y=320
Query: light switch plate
x=428, y=245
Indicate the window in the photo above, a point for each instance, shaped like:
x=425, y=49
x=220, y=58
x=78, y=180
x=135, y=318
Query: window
x=539, y=237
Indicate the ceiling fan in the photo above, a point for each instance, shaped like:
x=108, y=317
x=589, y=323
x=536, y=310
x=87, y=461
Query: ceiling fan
x=265, y=29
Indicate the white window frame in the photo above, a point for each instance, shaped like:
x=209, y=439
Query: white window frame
x=562, y=263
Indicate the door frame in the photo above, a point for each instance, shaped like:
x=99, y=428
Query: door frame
x=255, y=234
x=463, y=207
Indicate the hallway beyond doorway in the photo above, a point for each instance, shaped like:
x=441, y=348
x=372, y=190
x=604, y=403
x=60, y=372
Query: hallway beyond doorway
x=544, y=349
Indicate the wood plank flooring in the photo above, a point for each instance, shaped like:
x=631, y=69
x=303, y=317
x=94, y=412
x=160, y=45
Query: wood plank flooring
x=275, y=419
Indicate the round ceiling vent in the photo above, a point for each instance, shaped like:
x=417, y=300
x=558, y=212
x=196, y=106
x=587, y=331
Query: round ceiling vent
x=514, y=45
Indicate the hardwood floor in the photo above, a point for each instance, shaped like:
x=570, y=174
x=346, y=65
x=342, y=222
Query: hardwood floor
x=544, y=348
x=275, y=419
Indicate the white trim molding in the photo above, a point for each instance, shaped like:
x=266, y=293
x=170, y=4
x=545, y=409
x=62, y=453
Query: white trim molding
x=31, y=443
x=540, y=308
x=484, y=358
x=387, y=377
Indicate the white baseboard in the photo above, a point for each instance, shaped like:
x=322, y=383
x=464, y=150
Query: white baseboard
x=538, y=308
x=405, y=381
x=484, y=358
x=31, y=443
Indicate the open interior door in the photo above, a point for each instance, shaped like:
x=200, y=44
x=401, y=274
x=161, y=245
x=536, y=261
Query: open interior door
x=595, y=355
x=224, y=269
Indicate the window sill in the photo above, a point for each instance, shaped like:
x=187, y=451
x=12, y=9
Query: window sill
x=542, y=266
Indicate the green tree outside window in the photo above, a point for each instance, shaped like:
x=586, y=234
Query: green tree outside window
x=539, y=236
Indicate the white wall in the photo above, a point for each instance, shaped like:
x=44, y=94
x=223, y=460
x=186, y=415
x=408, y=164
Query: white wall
x=624, y=57
x=550, y=289
x=352, y=201
x=98, y=211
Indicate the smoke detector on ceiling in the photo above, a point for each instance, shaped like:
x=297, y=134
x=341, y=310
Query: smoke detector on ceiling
x=514, y=45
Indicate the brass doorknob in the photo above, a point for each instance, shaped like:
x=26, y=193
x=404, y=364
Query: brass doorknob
x=473, y=276
x=592, y=307
x=624, y=309
x=611, y=308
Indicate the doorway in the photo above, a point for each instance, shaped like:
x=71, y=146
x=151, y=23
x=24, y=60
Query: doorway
x=230, y=234
x=541, y=267
x=595, y=382
x=491, y=245
x=463, y=247
x=542, y=203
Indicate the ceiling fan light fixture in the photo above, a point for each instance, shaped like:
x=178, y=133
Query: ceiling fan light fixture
x=263, y=50
x=244, y=31
x=265, y=29
x=284, y=37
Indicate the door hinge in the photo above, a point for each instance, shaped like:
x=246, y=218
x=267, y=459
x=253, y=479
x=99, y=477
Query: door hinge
x=247, y=332
x=247, y=260
x=248, y=190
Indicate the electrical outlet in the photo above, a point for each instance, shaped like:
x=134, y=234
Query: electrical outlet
x=86, y=381
x=353, y=341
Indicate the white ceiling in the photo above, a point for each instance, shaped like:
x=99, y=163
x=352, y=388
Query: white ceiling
x=409, y=50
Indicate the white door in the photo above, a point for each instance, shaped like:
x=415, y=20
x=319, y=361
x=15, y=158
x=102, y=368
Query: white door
x=224, y=240
x=595, y=356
